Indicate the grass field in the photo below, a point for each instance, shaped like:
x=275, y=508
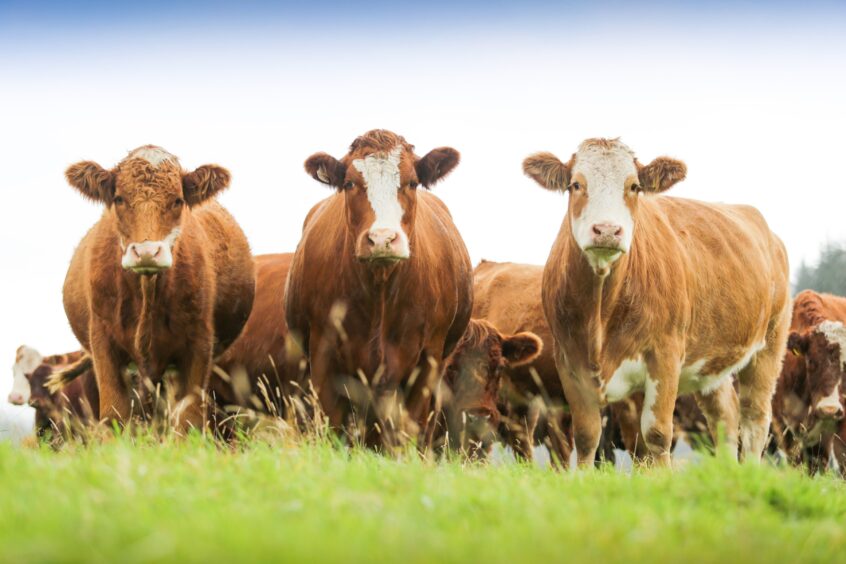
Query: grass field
x=136, y=500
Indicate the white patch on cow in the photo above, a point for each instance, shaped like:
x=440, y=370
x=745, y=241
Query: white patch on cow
x=165, y=260
x=830, y=401
x=382, y=179
x=27, y=360
x=605, y=171
x=650, y=395
x=629, y=377
x=835, y=333
x=153, y=155
x=693, y=380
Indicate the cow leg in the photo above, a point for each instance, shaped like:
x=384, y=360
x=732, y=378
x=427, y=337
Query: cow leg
x=659, y=401
x=559, y=441
x=721, y=409
x=584, y=409
x=757, y=386
x=115, y=403
x=191, y=408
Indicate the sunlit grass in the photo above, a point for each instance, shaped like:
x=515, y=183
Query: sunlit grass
x=142, y=499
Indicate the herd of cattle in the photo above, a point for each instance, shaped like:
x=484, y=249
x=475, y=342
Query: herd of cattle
x=646, y=303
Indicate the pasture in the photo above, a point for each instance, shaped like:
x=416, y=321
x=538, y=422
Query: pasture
x=142, y=499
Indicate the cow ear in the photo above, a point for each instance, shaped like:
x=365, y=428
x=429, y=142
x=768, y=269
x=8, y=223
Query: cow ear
x=326, y=169
x=547, y=170
x=797, y=344
x=521, y=348
x=93, y=181
x=204, y=183
x=436, y=165
x=661, y=174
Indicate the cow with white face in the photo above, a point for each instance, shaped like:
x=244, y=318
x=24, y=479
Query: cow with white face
x=663, y=295
x=380, y=286
x=27, y=359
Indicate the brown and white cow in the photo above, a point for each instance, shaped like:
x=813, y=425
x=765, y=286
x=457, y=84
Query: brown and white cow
x=380, y=284
x=663, y=295
x=255, y=372
x=165, y=277
x=27, y=360
x=809, y=399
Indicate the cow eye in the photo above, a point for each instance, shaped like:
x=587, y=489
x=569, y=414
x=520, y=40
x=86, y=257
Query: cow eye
x=575, y=186
x=412, y=185
x=635, y=188
x=177, y=203
x=349, y=185
x=119, y=200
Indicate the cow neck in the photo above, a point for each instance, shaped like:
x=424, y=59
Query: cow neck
x=144, y=333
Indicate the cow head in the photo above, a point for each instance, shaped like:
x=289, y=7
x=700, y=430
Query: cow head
x=148, y=196
x=379, y=177
x=27, y=359
x=473, y=373
x=40, y=397
x=823, y=350
x=605, y=182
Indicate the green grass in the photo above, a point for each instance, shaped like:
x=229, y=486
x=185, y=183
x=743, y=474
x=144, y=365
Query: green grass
x=138, y=501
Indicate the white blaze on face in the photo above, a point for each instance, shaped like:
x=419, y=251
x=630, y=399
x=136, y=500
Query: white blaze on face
x=835, y=333
x=27, y=360
x=382, y=180
x=605, y=170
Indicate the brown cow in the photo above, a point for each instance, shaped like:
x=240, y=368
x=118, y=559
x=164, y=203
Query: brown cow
x=27, y=359
x=78, y=402
x=472, y=378
x=380, y=288
x=508, y=295
x=164, y=277
x=662, y=295
x=255, y=371
x=809, y=401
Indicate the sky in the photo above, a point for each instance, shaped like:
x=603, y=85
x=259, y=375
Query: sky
x=751, y=95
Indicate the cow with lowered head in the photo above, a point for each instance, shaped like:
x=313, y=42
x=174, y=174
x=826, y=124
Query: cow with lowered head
x=668, y=296
x=808, y=405
x=164, y=278
x=380, y=288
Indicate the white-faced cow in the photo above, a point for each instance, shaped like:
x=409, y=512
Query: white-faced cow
x=165, y=277
x=663, y=295
x=380, y=288
x=27, y=359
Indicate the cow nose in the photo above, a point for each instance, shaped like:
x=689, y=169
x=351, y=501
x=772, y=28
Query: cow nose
x=147, y=249
x=830, y=412
x=148, y=256
x=607, y=231
x=16, y=398
x=382, y=238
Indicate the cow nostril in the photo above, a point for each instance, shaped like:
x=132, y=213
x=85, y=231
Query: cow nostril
x=135, y=251
x=597, y=230
x=158, y=252
x=618, y=232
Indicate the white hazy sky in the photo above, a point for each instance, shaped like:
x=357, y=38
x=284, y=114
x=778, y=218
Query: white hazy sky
x=754, y=102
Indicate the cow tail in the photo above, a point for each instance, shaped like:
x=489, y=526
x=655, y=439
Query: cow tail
x=62, y=378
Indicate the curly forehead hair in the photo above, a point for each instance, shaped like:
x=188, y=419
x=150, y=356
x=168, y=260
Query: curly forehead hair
x=380, y=140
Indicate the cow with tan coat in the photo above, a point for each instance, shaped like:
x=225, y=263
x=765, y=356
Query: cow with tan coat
x=668, y=296
x=164, y=278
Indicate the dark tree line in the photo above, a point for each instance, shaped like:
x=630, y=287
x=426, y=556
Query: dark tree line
x=828, y=275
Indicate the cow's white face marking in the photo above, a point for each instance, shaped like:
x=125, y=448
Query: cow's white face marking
x=165, y=260
x=835, y=332
x=382, y=180
x=153, y=155
x=606, y=171
x=27, y=361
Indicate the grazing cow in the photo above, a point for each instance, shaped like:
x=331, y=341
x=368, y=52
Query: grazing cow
x=76, y=403
x=380, y=288
x=663, y=295
x=255, y=371
x=508, y=295
x=809, y=398
x=165, y=277
x=472, y=378
x=27, y=359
